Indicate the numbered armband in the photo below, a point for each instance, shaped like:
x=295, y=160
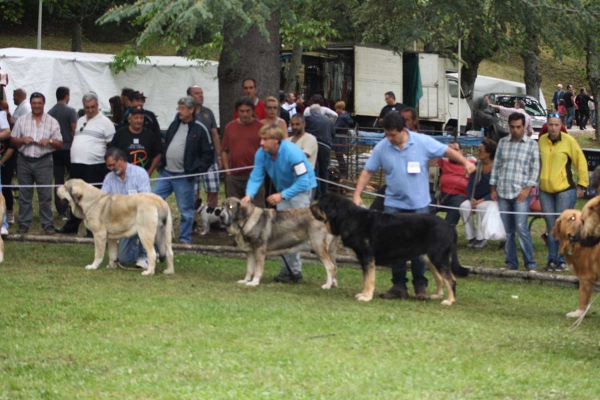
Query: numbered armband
x=300, y=169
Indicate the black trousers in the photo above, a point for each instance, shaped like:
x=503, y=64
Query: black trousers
x=94, y=173
x=322, y=168
x=8, y=171
x=62, y=164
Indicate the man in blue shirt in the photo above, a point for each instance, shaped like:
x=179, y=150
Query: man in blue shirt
x=126, y=178
x=403, y=157
x=293, y=178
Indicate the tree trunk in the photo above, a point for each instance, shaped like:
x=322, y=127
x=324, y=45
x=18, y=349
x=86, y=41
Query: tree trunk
x=530, y=56
x=182, y=52
x=249, y=56
x=76, y=36
x=469, y=75
x=291, y=79
x=592, y=67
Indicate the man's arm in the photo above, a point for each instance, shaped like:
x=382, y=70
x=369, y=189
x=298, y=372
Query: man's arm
x=365, y=177
x=154, y=164
x=4, y=133
x=458, y=158
x=217, y=143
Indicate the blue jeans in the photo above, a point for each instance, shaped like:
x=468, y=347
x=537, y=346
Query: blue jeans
x=516, y=223
x=556, y=203
x=570, y=116
x=452, y=200
x=130, y=249
x=184, y=194
x=292, y=261
x=4, y=221
x=417, y=265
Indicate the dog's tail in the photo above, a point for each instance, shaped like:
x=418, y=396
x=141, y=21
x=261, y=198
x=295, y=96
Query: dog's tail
x=164, y=233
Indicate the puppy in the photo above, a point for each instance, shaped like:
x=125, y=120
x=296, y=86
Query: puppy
x=208, y=216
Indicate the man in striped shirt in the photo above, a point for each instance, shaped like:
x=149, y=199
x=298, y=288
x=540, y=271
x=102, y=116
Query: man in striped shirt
x=516, y=170
x=36, y=135
x=126, y=178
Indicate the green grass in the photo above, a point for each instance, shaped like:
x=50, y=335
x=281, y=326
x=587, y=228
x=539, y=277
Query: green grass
x=68, y=333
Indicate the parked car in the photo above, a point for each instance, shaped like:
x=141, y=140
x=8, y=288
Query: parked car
x=495, y=124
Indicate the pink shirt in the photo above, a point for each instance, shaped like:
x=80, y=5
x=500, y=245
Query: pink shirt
x=453, y=179
x=26, y=126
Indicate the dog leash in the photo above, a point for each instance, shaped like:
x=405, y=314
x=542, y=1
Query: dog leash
x=582, y=316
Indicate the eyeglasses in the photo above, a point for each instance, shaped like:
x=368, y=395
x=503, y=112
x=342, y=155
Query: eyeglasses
x=111, y=166
x=81, y=129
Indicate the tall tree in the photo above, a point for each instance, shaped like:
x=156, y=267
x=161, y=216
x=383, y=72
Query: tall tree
x=249, y=30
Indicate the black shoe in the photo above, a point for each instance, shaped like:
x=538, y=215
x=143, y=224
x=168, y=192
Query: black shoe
x=62, y=231
x=471, y=243
x=49, y=230
x=285, y=278
x=561, y=267
x=420, y=291
x=23, y=229
x=552, y=266
x=398, y=291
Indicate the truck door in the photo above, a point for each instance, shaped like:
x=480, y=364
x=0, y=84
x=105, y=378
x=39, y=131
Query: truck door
x=428, y=104
x=376, y=71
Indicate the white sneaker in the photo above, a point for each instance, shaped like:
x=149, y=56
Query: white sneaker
x=142, y=262
x=4, y=231
x=10, y=217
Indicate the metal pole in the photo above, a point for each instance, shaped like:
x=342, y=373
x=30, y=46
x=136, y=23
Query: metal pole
x=39, y=39
x=459, y=88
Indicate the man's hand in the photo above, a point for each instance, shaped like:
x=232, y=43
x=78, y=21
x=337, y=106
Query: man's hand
x=487, y=100
x=493, y=193
x=220, y=164
x=357, y=200
x=469, y=169
x=44, y=142
x=475, y=203
x=523, y=194
x=275, y=198
x=247, y=198
x=27, y=140
x=580, y=192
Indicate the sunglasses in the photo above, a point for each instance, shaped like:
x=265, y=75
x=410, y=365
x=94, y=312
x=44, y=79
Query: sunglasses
x=554, y=115
x=81, y=129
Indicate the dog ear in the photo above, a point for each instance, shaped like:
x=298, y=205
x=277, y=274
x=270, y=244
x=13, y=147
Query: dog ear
x=557, y=228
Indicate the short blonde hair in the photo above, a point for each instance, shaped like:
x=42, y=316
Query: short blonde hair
x=271, y=99
x=340, y=105
x=271, y=131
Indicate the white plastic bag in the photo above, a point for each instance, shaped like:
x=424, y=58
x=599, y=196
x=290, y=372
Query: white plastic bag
x=493, y=228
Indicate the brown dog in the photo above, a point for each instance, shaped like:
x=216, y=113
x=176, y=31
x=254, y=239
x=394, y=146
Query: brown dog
x=583, y=261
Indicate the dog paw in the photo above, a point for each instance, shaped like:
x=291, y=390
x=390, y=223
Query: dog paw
x=575, y=314
x=168, y=272
x=363, y=297
x=147, y=273
x=90, y=267
x=327, y=286
x=242, y=282
x=111, y=265
x=435, y=297
x=446, y=302
x=253, y=283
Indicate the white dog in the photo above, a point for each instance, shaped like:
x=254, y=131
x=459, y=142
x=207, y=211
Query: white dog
x=208, y=216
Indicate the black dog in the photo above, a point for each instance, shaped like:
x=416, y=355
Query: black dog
x=382, y=239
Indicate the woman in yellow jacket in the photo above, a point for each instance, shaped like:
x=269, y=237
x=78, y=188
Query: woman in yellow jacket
x=560, y=154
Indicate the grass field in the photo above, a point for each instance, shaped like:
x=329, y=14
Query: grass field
x=68, y=333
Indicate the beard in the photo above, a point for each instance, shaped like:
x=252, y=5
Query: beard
x=296, y=132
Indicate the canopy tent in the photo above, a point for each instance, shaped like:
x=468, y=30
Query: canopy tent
x=164, y=80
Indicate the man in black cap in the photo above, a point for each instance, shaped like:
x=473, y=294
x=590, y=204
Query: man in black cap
x=138, y=143
x=136, y=99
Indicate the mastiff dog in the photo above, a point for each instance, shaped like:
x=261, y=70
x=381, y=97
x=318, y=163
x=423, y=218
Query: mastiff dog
x=114, y=216
x=381, y=239
x=267, y=232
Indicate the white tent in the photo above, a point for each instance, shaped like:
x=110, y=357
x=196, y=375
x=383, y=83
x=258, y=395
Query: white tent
x=163, y=80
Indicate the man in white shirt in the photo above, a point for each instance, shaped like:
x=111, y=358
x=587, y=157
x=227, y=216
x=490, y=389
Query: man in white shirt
x=306, y=141
x=92, y=135
x=36, y=135
x=23, y=106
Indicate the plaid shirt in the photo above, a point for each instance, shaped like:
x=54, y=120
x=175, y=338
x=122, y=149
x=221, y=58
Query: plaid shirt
x=136, y=181
x=27, y=127
x=516, y=165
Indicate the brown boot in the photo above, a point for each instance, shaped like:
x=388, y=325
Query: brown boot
x=420, y=291
x=398, y=291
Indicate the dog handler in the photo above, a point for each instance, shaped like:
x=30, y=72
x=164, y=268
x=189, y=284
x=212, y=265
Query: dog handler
x=126, y=178
x=404, y=158
x=293, y=178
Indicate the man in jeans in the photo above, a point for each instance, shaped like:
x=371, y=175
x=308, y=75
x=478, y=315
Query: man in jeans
x=293, y=178
x=516, y=170
x=188, y=150
x=126, y=179
x=404, y=157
